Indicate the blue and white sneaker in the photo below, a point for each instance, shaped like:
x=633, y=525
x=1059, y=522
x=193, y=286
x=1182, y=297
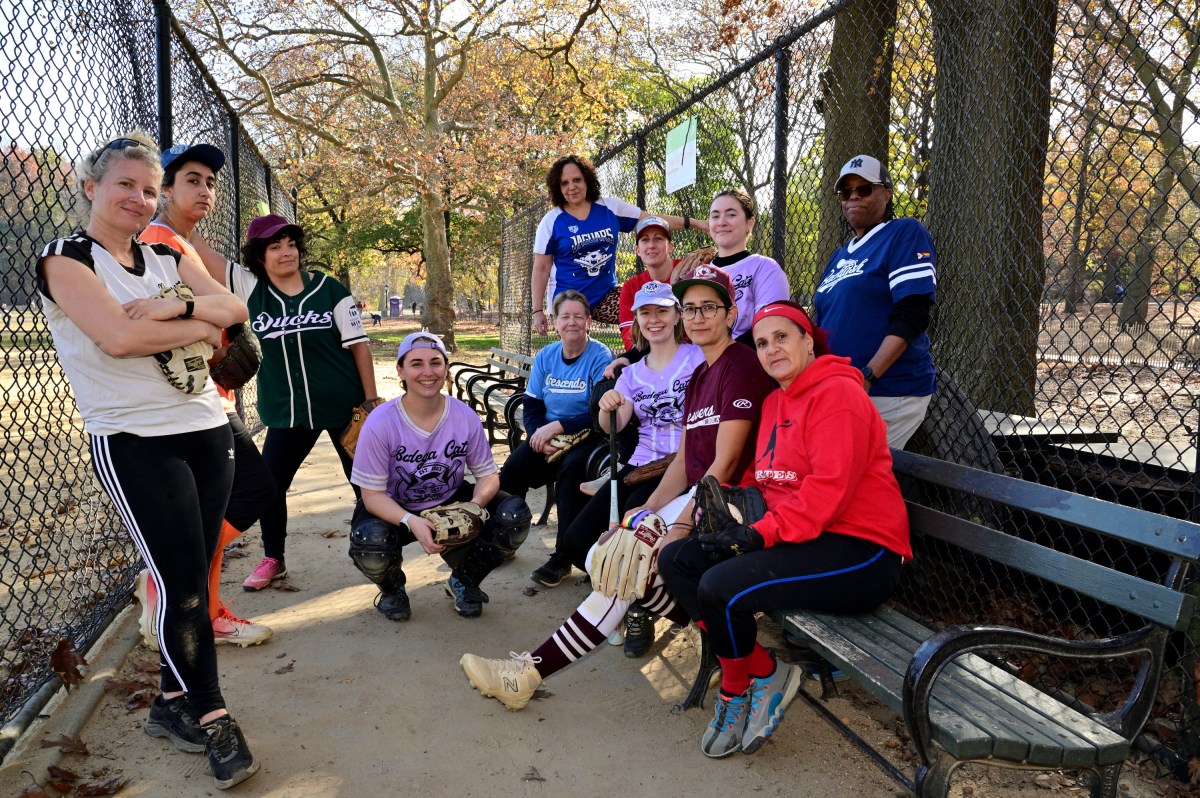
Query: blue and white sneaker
x=724, y=735
x=769, y=699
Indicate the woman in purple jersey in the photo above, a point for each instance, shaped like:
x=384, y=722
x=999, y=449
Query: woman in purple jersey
x=413, y=454
x=577, y=239
x=757, y=279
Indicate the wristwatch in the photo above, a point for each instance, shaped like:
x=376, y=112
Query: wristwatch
x=869, y=376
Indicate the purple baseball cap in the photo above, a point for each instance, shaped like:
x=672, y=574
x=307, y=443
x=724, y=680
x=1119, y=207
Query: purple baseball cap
x=420, y=340
x=267, y=226
x=654, y=293
x=706, y=274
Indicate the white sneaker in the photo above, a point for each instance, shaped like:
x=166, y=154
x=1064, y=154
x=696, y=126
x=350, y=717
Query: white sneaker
x=230, y=629
x=512, y=682
x=592, y=487
x=146, y=593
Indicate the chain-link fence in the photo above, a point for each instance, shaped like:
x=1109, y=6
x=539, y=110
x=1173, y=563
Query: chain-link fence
x=1052, y=150
x=73, y=73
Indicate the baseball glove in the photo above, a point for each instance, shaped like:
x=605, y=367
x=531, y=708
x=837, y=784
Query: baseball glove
x=357, y=418
x=455, y=524
x=652, y=470
x=185, y=367
x=623, y=557
x=564, y=442
x=691, y=261
x=717, y=503
x=233, y=365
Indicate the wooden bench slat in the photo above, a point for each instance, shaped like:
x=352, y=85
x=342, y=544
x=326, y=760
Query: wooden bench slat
x=979, y=710
x=1160, y=533
x=1150, y=600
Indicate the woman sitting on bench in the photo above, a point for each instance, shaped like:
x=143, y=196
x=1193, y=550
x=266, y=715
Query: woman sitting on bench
x=832, y=539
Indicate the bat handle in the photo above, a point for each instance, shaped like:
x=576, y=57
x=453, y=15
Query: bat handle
x=614, y=508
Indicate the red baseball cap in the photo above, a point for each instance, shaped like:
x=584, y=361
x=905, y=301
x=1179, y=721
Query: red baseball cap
x=706, y=274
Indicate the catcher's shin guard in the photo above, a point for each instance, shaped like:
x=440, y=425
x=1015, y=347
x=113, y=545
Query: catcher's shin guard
x=510, y=523
x=479, y=558
x=375, y=549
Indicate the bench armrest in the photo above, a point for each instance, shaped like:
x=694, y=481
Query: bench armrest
x=944, y=647
x=465, y=369
x=512, y=415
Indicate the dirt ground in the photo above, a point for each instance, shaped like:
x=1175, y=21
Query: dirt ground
x=344, y=703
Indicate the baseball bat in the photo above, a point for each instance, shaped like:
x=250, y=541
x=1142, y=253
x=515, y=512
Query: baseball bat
x=614, y=509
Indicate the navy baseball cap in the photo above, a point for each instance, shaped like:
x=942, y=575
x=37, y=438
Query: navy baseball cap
x=206, y=154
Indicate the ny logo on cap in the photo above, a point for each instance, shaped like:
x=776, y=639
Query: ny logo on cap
x=856, y=163
x=653, y=288
x=705, y=271
x=178, y=148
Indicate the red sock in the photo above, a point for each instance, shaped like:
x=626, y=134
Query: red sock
x=762, y=662
x=735, y=675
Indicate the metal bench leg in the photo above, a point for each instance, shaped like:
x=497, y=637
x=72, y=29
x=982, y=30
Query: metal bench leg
x=549, y=504
x=708, y=666
x=1102, y=781
x=933, y=781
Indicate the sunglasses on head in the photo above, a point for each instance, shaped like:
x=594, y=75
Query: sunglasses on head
x=863, y=190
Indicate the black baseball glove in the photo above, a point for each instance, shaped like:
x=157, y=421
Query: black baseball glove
x=724, y=516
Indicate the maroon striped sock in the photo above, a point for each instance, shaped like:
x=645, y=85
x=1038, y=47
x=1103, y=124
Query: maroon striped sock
x=574, y=638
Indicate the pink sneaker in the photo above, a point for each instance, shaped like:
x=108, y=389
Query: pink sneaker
x=146, y=593
x=230, y=629
x=267, y=572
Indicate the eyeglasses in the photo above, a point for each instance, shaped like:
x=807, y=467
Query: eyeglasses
x=863, y=190
x=707, y=310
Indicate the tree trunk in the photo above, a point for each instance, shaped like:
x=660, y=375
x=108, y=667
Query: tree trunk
x=985, y=214
x=856, y=92
x=1136, y=303
x=439, y=287
x=1077, y=260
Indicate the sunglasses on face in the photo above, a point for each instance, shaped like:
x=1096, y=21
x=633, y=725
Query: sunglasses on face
x=863, y=191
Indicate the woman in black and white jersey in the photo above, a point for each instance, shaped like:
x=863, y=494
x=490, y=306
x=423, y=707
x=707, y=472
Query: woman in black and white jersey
x=165, y=457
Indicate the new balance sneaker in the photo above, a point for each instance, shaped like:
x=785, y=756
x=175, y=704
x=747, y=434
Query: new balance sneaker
x=146, y=593
x=593, y=486
x=395, y=605
x=769, y=699
x=553, y=572
x=172, y=718
x=639, y=631
x=724, y=735
x=511, y=681
x=267, y=572
x=468, y=598
x=228, y=755
x=228, y=629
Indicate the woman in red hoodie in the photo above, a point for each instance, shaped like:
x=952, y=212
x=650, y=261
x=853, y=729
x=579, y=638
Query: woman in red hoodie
x=833, y=538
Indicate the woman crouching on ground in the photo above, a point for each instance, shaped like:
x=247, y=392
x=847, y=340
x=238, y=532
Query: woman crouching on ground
x=833, y=538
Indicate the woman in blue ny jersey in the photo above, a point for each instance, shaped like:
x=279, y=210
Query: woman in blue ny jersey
x=874, y=298
x=576, y=243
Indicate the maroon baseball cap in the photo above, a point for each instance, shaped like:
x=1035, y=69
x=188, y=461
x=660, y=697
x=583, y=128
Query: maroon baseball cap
x=706, y=274
x=268, y=226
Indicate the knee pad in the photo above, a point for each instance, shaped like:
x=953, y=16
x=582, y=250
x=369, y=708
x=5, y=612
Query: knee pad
x=511, y=523
x=375, y=550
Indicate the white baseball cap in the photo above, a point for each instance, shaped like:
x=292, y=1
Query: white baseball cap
x=651, y=221
x=866, y=167
x=654, y=293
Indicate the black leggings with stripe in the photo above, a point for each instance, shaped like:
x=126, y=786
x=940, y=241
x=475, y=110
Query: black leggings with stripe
x=833, y=573
x=171, y=492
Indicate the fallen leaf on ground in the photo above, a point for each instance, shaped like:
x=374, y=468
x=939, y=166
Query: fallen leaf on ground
x=110, y=787
x=146, y=666
x=287, y=587
x=68, y=745
x=34, y=790
x=66, y=661
x=541, y=693
x=332, y=533
x=286, y=668
x=140, y=699
x=125, y=686
x=62, y=774
x=236, y=554
x=532, y=775
x=530, y=591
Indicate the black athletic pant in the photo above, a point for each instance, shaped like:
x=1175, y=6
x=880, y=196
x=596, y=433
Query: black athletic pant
x=171, y=492
x=834, y=573
x=253, y=485
x=526, y=469
x=592, y=520
x=284, y=451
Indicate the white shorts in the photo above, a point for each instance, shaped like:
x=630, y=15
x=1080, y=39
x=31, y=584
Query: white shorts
x=903, y=415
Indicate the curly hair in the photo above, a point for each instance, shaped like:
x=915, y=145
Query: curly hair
x=254, y=251
x=554, y=179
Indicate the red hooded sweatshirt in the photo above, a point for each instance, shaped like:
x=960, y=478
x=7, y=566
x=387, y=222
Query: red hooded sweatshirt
x=823, y=463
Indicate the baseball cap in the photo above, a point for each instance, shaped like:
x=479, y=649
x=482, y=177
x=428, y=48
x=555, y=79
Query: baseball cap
x=654, y=293
x=419, y=340
x=651, y=221
x=206, y=154
x=706, y=274
x=866, y=167
x=267, y=226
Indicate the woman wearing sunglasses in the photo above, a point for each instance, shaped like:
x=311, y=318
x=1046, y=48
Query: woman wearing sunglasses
x=875, y=295
x=162, y=453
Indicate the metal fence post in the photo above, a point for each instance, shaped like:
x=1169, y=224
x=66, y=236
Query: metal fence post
x=162, y=39
x=641, y=173
x=783, y=63
x=235, y=166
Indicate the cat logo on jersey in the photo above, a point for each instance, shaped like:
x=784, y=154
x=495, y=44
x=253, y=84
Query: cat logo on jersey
x=431, y=481
x=593, y=262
